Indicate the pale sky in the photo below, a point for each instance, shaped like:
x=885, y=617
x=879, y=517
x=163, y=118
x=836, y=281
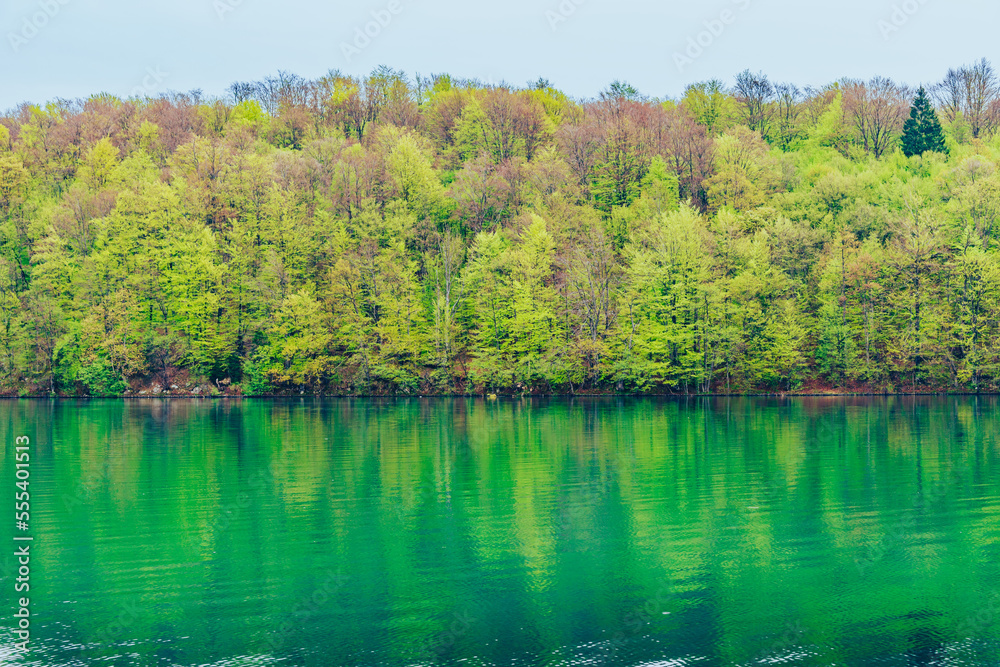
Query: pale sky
x=74, y=48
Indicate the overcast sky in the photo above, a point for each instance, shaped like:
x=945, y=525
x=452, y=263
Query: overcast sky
x=74, y=48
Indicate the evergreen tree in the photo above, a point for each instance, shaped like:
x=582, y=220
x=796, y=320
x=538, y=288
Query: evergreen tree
x=922, y=131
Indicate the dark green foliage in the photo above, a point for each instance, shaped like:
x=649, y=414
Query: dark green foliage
x=255, y=379
x=922, y=131
x=99, y=378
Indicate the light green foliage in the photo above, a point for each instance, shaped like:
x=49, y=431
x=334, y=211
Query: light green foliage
x=516, y=322
x=99, y=164
x=745, y=171
x=299, y=337
x=357, y=235
x=410, y=165
x=710, y=105
x=660, y=187
x=248, y=115
x=149, y=137
x=830, y=131
x=192, y=282
x=13, y=183
x=668, y=297
x=472, y=131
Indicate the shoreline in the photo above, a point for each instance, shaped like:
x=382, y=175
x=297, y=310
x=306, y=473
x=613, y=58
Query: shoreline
x=498, y=396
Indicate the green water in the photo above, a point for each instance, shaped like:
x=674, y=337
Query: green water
x=513, y=532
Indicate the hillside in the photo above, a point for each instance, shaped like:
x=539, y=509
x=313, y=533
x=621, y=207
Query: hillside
x=383, y=235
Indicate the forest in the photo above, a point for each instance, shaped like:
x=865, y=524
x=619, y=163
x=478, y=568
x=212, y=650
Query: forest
x=388, y=234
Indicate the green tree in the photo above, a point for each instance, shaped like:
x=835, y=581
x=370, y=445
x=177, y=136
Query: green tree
x=665, y=337
x=745, y=172
x=99, y=164
x=709, y=104
x=300, y=337
x=922, y=130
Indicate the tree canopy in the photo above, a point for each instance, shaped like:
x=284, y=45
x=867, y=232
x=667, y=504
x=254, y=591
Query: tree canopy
x=395, y=234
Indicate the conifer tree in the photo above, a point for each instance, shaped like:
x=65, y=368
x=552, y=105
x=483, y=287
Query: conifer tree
x=922, y=131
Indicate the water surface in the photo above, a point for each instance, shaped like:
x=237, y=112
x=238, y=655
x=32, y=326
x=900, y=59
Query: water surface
x=824, y=531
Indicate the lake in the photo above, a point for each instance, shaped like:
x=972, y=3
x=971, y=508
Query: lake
x=587, y=531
